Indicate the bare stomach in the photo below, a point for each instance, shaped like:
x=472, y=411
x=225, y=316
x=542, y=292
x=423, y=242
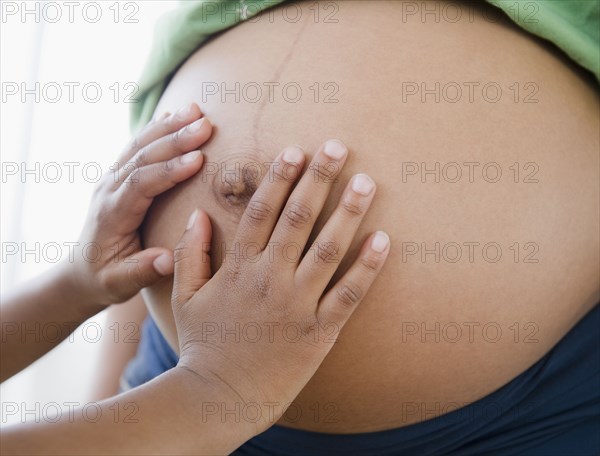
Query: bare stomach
x=484, y=145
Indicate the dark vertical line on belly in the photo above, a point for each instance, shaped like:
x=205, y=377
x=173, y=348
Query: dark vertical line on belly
x=276, y=78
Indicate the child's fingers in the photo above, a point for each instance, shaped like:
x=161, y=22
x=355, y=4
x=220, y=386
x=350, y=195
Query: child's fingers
x=137, y=271
x=339, y=302
x=192, y=258
x=264, y=207
x=134, y=197
x=323, y=258
x=308, y=198
x=183, y=140
x=163, y=125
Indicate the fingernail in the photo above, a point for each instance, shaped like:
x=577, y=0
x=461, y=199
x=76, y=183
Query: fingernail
x=190, y=157
x=195, y=127
x=293, y=155
x=192, y=219
x=335, y=149
x=380, y=241
x=363, y=184
x=163, y=264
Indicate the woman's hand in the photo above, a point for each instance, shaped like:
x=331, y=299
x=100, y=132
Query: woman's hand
x=259, y=329
x=109, y=265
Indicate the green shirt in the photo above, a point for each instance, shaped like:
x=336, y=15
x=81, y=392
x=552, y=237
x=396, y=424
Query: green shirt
x=573, y=25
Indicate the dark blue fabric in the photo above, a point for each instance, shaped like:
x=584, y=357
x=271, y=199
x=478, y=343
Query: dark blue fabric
x=553, y=408
x=154, y=356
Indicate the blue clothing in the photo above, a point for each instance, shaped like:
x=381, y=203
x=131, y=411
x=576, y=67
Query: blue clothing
x=553, y=408
x=154, y=356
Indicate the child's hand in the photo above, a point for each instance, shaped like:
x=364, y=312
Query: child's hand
x=109, y=265
x=259, y=329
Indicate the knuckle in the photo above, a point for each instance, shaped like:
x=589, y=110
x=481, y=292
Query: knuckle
x=163, y=122
x=232, y=271
x=165, y=170
x=298, y=214
x=167, y=123
x=352, y=208
x=327, y=252
x=141, y=158
x=308, y=325
x=325, y=172
x=134, y=176
x=258, y=211
x=263, y=283
x=176, y=139
x=349, y=294
x=369, y=263
x=283, y=174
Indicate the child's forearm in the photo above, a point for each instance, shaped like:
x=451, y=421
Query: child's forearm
x=38, y=317
x=166, y=416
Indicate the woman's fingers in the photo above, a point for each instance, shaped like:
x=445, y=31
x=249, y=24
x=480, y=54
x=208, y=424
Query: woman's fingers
x=339, y=302
x=159, y=127
x=166, y=147
x=323, y=258
x=192, y=258
x=308, y=198
x=134, y=198
x=264, y=208
x=137, y=185
x=137, y=271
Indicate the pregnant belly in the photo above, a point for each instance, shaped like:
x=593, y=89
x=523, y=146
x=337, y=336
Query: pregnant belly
x=484, y=144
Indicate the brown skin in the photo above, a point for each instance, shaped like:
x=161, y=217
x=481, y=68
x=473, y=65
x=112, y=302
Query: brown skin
x=378, y=372
x=266, y=289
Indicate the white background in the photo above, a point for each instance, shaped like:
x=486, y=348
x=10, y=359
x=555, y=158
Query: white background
x=44, y=46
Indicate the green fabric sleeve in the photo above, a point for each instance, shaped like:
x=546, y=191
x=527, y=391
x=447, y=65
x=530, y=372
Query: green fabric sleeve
x=178, y=34
x=573, y=25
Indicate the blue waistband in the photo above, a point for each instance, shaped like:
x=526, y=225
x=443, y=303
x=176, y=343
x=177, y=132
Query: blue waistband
x=553, y=408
